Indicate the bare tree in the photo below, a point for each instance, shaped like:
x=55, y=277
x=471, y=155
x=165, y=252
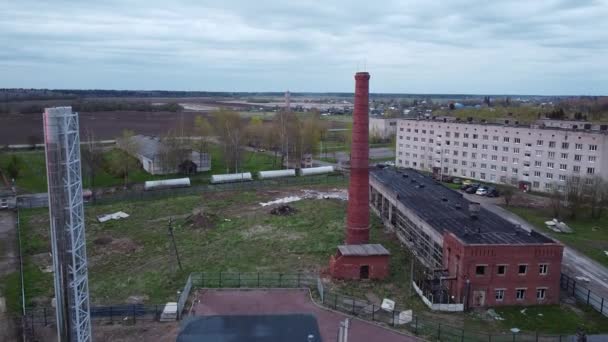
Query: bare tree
x=173, y=152
x=203, y=131
x=556, y=200
x=230, y=130
x=92, y=157
x=507, y=193
x=574, y=191
x=126, y=162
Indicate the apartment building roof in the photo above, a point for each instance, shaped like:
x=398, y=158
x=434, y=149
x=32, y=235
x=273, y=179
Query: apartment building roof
x=544, y=124
x=447, y=210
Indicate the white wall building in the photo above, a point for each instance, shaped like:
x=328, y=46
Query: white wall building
x=382, y=128
x=149, y=151
x=538, y=156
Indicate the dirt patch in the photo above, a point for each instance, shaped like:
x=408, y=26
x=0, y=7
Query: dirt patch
x=522, y=199
x=201, y=220
x=124, y=246
x=117, y=332
x=283, y=210
x=106, y=244
x=103, y=240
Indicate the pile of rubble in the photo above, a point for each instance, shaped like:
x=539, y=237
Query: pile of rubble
x=283, y=210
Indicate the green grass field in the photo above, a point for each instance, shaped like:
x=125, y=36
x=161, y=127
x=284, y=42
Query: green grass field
x=590, y=236
x=32, y=176
x=132, y=257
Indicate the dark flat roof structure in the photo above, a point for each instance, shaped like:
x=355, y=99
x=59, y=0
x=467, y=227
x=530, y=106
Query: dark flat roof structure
x=246, y=328
x=447, y=210
x=363, y=250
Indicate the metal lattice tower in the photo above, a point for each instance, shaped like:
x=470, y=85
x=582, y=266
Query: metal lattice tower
x=66, y=210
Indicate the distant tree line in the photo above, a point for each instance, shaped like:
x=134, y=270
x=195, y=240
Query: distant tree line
x=97, y=106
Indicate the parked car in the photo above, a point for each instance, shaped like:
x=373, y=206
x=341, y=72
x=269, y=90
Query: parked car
x=481, y=191
x=493, y=192
x=472, y=188
x=457, y=181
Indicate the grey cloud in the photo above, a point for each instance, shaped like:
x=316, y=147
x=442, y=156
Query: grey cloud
x=409, y=46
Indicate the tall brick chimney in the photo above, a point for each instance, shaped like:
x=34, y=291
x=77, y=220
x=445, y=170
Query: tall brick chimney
x=357, y=258
x=357, y=221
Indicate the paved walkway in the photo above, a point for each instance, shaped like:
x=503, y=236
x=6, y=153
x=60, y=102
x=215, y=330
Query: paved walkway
x=290, y=301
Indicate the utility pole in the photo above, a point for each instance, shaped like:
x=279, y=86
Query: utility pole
x=179, y=263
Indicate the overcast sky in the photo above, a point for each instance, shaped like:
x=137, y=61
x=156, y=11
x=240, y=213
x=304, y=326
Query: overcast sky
x=414, y=46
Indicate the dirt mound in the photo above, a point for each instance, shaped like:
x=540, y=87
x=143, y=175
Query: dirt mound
x=109, y=245
x=103, y=240
x=201, y=220
x=124, y=246
x=284, y=210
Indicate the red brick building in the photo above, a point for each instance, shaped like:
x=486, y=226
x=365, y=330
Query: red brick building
x=368, y=261
x=466, y=256
x=493, y=275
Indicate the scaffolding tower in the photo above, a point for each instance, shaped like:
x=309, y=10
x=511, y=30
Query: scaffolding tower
x=66, y=211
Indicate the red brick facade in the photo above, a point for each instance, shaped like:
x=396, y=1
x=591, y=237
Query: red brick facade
x=350, y=267
x=483, y=274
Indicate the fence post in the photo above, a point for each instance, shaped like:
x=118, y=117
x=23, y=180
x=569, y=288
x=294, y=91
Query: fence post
x=416, y=325
x=156, y=316
x=335, y=301
x=111, y=320
x=220, y=279
x=393, y=317
x=438, y=331
x=588, y=295
x=536, y=336
x=298, y=279
x=280, y=279
x=462, y=336
x=133, y=309
x=602, y=306
x=373, y=311
x=353, y=306
x=45, y=322
x=258, y=279
x=239, y=280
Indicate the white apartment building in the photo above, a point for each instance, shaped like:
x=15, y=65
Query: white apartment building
x=536, y=157
x=383, y=128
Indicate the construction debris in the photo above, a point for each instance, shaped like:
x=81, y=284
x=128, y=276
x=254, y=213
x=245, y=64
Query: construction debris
x=169, y=313
x=114, y=216
x=558, y=226
x=494, y=315
x=310, y=194
x=284, y=210
x=388, y=305
x=405, y=317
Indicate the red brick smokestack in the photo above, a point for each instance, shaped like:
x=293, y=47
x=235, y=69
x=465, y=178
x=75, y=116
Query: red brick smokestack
x=357, y=221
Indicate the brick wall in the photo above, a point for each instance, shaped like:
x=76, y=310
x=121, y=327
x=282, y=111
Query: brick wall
x=492, y=268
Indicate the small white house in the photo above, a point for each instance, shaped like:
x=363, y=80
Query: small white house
x=150, y=154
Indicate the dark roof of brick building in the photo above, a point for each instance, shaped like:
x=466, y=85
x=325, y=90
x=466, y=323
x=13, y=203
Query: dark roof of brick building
x=445, y=209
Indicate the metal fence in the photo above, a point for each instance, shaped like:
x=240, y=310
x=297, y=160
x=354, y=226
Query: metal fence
x=420, y=325
x=398, y=318
x=40, y=201
x=131, y=314
x=254, y=280
x=584, y=294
